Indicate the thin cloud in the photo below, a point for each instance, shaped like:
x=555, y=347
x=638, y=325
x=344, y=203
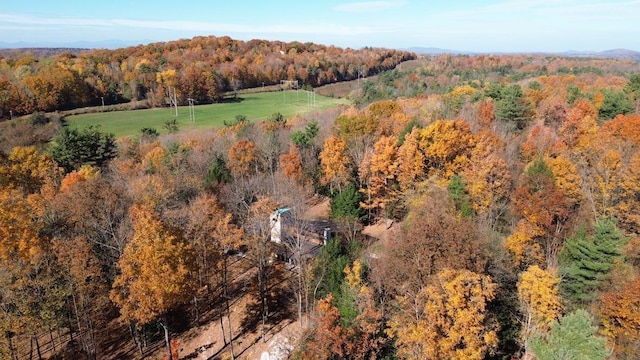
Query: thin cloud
x=368, y=6
x=33, y=22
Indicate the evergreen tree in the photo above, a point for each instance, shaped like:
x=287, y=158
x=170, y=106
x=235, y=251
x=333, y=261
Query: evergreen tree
x=571, y=338
x=615, y=103
x=586, y=260
x=73, y=148
x=346, y=204
x=458, y=194
x=513, y=107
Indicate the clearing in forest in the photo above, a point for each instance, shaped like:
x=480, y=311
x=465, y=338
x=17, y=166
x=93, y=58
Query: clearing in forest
x=256, y=106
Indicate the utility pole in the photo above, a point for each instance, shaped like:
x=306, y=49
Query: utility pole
x=192, y=110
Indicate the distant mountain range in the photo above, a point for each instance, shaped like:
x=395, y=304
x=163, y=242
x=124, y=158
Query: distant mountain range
x=607, y=54
x=75, y=47
x=105, y=44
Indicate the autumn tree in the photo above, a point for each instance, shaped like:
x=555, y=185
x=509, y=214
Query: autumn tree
x=27, y=169
x=291, y=164
x=446, y=145
x=580, y=125
x=541, y=141
x=87, y=291
x=486, y=113
x=331, y=338
x=431, y=239
x=411, y=164
x=381, y=189
x=619, y=312
x=487, y=177
x=544, y=211
x=214, y=237
x=243, y=158
x=453, y=322
x=335, y=163
x=539, y=297
x=155, y=272
x=33, y=299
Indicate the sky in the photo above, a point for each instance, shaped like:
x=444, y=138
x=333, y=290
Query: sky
x=464, y=25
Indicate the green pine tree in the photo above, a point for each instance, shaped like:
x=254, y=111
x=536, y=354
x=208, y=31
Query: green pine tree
x=573, y=337
x=458, y=194
x=587, y=260
x=513, y=107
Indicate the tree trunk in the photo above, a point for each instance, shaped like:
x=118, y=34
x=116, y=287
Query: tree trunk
x=299, y=260
x=134, y=336
x=222, y=313
x=226, y=300
x=38, y=347
x=263, y=298
x=31, y=349
x=12, y=350
x=165, y=326
x=195, y=308
x=53, y=343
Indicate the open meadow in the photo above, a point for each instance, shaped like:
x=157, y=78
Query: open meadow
x=257, y=106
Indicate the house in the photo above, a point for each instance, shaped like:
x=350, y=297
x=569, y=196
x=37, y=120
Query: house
x=285, y=228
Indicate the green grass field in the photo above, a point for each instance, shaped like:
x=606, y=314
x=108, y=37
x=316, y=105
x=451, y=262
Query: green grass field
x=255, y=107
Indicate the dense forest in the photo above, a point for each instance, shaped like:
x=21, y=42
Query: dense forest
x=507, y=188
x=202, y=68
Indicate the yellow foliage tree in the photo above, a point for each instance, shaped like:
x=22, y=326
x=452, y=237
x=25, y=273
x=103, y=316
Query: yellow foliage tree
x=381, y=189
x=411, y=161
x=446, y=145
x=539, y=297
x=566, y=177
x=454, y=322
x=28, y=169
x=335, y=163
x=487, y=175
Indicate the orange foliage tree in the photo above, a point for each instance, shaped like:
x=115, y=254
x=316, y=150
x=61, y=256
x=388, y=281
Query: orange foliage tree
x=291, y=164
x=155, y=272
x=381, y=189
x=619, y=311
x=243, y=157
x=544, y=211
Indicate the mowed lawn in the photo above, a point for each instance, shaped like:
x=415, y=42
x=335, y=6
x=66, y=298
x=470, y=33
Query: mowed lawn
x=255, y=107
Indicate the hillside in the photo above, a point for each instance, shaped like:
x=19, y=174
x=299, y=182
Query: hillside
x=203, y=69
